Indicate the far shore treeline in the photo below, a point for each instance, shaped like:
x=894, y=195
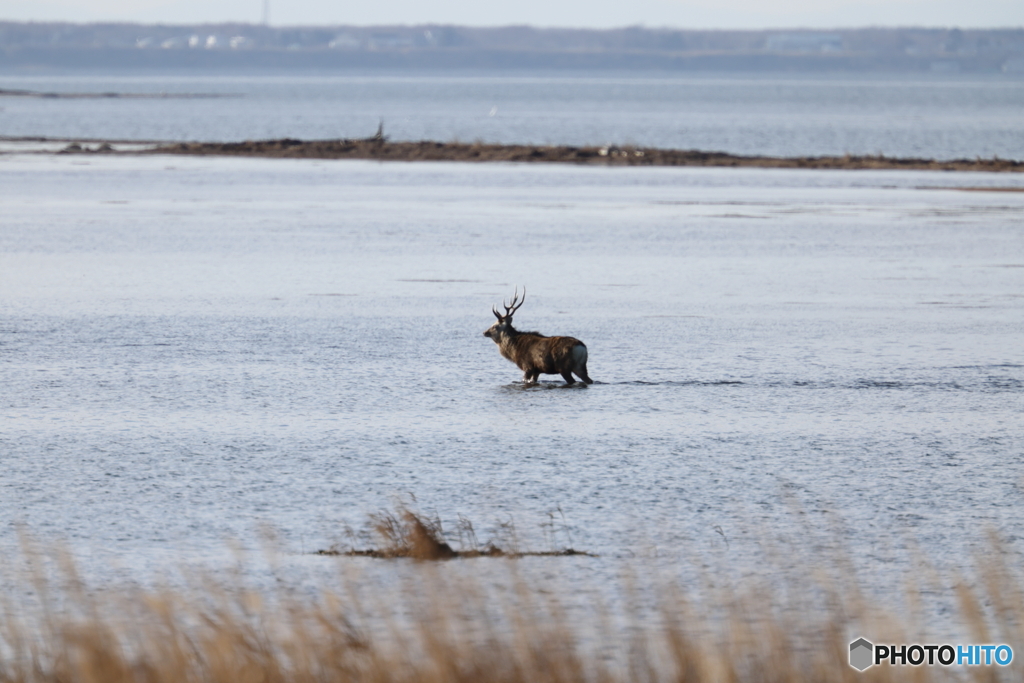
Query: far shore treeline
x=258, y=46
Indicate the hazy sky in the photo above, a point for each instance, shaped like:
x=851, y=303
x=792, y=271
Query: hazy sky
x=571, y=13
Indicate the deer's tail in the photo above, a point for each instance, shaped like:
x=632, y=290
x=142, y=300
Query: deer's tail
x=579, y=362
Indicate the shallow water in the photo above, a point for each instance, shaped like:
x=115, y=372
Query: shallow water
x=906, y=115
x=194, y=347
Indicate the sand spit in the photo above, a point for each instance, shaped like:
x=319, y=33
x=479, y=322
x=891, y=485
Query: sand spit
x=385, y=150
x=110, y=95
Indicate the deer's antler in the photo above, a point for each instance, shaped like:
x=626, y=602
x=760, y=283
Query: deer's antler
x=510, y=309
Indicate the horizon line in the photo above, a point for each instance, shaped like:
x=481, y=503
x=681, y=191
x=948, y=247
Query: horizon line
x=640, y=26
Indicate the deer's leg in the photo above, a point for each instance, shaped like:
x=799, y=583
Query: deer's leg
x=567, y=376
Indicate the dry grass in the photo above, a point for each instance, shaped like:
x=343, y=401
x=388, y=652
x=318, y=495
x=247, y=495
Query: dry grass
x=410, y=534
x=452, y=623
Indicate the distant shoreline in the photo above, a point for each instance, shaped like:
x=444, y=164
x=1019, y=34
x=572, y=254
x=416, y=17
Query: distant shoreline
x=586, y=155
x=200, y=47
x=109, y=95
x=381, y=149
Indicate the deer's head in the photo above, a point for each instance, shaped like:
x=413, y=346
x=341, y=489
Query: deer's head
x=503, y=328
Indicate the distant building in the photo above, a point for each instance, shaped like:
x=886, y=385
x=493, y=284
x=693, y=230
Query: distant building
x=1014, y=66
x=805, y=42
x=345, y=41
x=388, y=41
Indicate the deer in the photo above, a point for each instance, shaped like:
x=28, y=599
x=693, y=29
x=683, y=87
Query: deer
x=534, y=353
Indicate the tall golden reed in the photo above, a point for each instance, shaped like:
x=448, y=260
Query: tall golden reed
x=454, y=622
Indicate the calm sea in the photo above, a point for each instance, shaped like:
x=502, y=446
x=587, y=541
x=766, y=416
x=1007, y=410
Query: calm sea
x=935, y=116
x=194, y=349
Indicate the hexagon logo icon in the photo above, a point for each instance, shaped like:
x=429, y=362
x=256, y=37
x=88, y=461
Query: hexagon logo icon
x=862, y=654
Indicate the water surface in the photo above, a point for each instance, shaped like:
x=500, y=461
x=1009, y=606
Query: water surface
x=194, y=347
x=909, y=115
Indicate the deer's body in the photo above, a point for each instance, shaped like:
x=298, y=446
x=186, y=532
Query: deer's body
x=536, y=354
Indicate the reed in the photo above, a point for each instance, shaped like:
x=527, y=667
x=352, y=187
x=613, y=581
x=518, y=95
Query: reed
x=478, y=621
x=406, y=533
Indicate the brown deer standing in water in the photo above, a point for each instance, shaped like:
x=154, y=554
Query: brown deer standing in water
x=534, y=353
